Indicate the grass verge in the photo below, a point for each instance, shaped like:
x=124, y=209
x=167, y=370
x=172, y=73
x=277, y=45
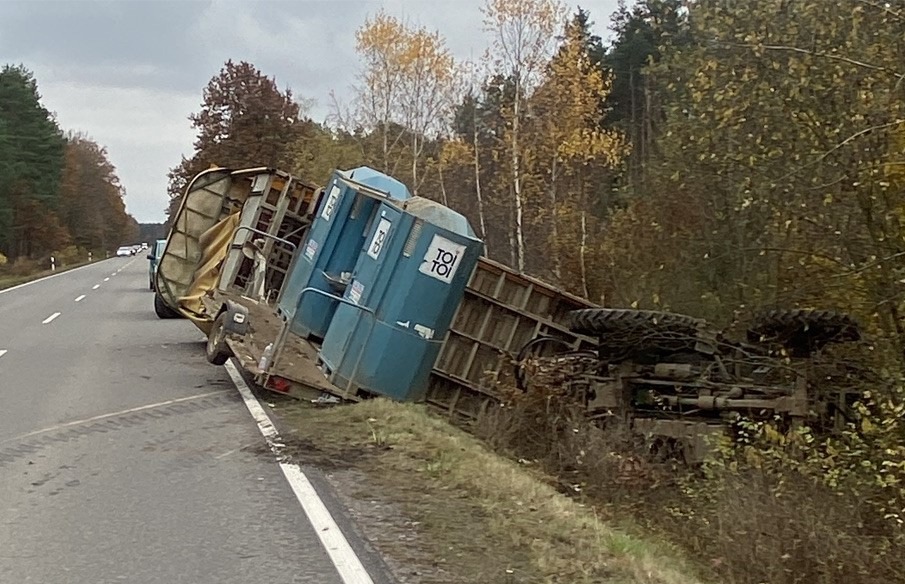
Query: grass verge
x=15, y=280
x=441, y=507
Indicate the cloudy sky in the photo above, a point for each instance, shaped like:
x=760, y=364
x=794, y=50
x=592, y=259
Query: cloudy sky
x=128, y=73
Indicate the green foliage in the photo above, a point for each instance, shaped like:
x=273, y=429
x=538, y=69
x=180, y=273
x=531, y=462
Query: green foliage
x=55, y=191
x=31, y=151
x=91, y=198
x=322, y=150
x=769, y=189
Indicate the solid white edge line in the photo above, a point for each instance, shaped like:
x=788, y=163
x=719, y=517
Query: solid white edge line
x=347, y=563
x=80, y=298
x=3, y=352
x=5, y=290
x=50, y=318
x=105, y=416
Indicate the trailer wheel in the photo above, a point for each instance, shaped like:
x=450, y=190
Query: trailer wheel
x=803, y=332
x=628, y=334
x=162, y=310
x=216, y=350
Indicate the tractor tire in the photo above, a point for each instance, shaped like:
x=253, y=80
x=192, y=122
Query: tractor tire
x=162, y=310
x=601, y=321
x=217, y=351
x=802, y=332
x=625, y=334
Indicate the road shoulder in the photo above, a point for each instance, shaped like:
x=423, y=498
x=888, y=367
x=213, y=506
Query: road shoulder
x=439, y=507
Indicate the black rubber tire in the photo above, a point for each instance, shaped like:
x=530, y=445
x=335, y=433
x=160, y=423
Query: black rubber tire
x=162, y=310
x=601, y=321
x=216, y=351
x=802, y=331
x=641, y=334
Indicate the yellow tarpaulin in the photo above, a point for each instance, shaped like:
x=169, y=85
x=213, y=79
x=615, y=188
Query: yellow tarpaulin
x=214, y=245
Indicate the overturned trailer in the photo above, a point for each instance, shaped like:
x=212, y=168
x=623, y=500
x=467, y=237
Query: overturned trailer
x=360, y=302
x=360, y=289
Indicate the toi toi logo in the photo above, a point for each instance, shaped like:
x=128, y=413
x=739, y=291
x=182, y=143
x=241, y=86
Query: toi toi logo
x=441, y=261
x=444, y=262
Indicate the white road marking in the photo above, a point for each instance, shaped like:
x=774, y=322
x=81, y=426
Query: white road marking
x=106, y=279
x=5, y=290
x=3, y=352
x=114, y=414
x=96, y=286
x=50, y=318
x=349, y=567
x=80, y=298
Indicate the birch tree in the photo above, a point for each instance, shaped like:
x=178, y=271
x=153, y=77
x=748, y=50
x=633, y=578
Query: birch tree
x=381, y=43
x=407, y=89
x=570, y=143
x=523, y=34
x=427, y=88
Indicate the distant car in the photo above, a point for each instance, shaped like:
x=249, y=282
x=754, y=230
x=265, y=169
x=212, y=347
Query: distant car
x=154, y=260
x=125, y=250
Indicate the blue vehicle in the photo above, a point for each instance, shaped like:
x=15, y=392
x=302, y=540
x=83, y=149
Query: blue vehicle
x=154, y=259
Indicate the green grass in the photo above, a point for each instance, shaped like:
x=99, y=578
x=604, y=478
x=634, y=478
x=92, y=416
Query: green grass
x=488, y=518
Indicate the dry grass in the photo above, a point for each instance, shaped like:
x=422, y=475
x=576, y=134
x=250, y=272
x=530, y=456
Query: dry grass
x=745, y=524
x=485, y=518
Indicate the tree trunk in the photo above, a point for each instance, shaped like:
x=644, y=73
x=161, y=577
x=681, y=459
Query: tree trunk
x=415, y=164
x=386, y=146
x=583, y=246
x=513, y=260
x=557, y=264
x=477, y=185
x=442, y=184
x=637, y=154
x=517, y=180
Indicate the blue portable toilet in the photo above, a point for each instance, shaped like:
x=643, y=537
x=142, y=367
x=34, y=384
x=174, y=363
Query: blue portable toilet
x=331, y=249
x=409, y=279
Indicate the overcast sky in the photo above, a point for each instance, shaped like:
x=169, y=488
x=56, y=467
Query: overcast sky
x=128, y=73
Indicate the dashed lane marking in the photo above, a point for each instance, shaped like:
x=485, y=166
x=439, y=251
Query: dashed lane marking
x=3, y=352
x=80, y=298
x=96, y=286
x=51, y=318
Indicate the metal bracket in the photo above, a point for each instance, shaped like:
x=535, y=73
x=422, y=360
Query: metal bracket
x=236, y=318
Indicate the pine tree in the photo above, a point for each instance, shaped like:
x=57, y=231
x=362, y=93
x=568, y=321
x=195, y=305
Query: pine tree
x=31, y=158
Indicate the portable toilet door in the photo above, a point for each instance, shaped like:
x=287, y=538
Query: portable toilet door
x=345, y=337
x=326, y=258
x=408, y=283
x=335, y=239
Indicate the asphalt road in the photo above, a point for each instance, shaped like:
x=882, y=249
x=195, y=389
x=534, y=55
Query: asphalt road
x=91, y=492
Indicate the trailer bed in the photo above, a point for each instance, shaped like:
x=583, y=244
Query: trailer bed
x=297, y=363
